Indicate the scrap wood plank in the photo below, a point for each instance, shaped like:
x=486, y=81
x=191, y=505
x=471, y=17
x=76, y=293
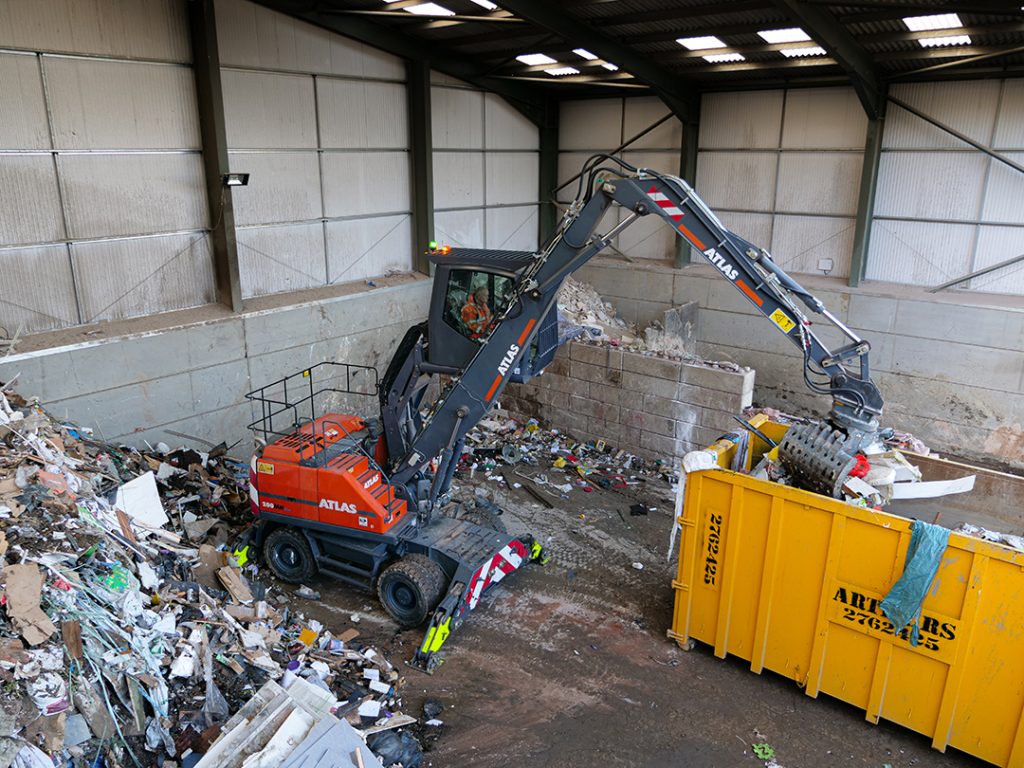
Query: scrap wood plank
x=235, y=584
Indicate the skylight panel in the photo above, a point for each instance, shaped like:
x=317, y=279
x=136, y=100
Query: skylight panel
x=792, y=35
x=700, y=43
x=936, y=21
x=535, y=59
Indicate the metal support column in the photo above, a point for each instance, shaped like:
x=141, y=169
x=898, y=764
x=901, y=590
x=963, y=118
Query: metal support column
x=866, y=200
x=688, y=172
x=421, y=160
x=548, y=168
x=209, y=97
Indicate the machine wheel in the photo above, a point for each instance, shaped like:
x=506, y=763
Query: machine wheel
x=485, y=518
x=287, y=553
x=411, y=588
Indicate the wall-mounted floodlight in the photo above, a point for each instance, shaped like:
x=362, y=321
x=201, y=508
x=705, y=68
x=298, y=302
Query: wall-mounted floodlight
x=235, y=179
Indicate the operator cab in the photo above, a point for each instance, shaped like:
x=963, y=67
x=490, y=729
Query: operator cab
x=472, y=290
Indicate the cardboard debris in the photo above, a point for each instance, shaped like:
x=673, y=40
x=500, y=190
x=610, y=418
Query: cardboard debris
x=235, y=584
x=23, y=588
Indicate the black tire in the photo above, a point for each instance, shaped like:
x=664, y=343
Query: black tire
x=485, y=518
x=410, y=589
x=286, y=552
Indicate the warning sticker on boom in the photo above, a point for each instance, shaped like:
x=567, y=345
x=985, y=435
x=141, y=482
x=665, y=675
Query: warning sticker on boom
x=782, y=320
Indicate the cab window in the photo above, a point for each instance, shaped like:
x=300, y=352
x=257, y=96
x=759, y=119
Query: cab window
x=474, y=299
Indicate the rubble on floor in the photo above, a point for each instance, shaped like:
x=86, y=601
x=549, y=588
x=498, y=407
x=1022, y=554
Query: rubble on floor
x=548, y=464
x=128, y=633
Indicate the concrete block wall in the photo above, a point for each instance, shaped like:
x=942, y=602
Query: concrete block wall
x=950, y=365
x=647, y=405
x=192, y=377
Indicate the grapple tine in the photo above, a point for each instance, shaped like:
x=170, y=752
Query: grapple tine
x=463, y=596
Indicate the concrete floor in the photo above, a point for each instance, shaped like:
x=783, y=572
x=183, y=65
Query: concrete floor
x=569, y=665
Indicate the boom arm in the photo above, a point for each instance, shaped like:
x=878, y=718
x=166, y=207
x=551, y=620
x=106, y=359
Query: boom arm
x=856, y=400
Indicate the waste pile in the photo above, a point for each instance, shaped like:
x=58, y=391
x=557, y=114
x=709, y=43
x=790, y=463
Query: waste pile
x=548, y=464
x=584, y=315
x=129, y=634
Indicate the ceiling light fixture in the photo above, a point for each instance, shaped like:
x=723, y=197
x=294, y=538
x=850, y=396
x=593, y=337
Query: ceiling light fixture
x=791, y=35
x=700, y=43
x=535, y=59
x=809, y=50
x=429, y=9
x=721, y=58
x=936, y=21
x=562, y=71
x=941, y=42
x=610, y=67
x=584, y=53
x=486, y=4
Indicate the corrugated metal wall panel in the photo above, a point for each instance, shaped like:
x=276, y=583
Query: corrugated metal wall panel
x=755, y=227
x=663, y=161
x=368, y=248
x=996, y=244
x=458, y=179
x=357, y=183
x=750, y=120
x=930, y=185
x=121, y=105
x=819, y=182
x=919, y=253
x=512, y=177
x=360, y=115
x=799, y=242
x=109, y=195
x=507, y=128
x=1010, y=123
x=1004, y=198
x=457, y=118
x=357, y=60
x=969, y=107
x=153, y=274
x=460, y=229
x=440, y=78
x=646, y=238
x=593, y=124
x=737, y=180
x=512, y=228
x=280, y=259
x=24, y=123
x=569, y=164
x=252, y=36
x=641, y=113
x=284, y=186
x=269, y=111
x=33, y=303
x=154, y=29
x=824, y=118
x=29, y=200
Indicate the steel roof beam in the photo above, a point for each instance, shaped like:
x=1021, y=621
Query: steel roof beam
x=525, y=98
x=684, y=101
x=855, y=61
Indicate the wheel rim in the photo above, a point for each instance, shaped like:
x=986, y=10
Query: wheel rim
x=402, y=601
x=287, y=558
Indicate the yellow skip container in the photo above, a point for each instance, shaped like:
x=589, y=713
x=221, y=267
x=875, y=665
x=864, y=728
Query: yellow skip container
x=791, y=581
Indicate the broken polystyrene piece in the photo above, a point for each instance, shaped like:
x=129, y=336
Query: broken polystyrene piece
x=379, y=687
x=933, y=489
x=140, y=500
x=147, y=575
x=370, y=709
x=699, y=461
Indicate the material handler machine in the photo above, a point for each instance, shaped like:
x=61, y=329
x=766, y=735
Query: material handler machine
x=366, y=500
